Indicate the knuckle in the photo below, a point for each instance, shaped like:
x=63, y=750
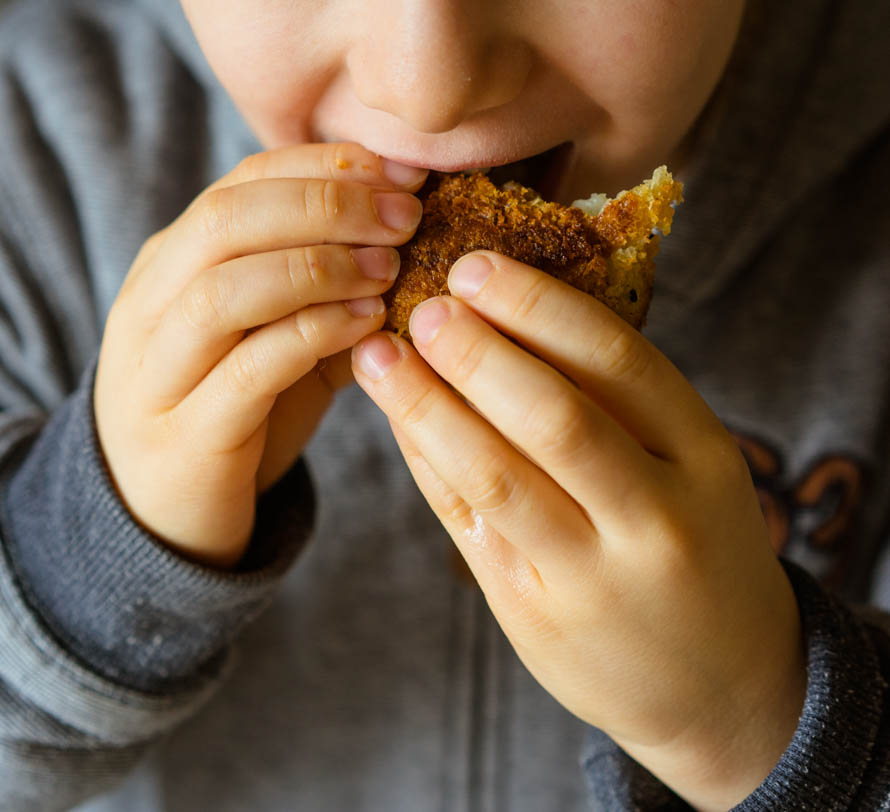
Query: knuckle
x=332, y=158
x=714, y=457
x=561, y=428
x=491, y=486
x=414, y=411
x=217, y=212
x=622, y=356
x=305, y=269
x=455, y=508
x=308, y=331
x=340, y=156
x=330, y=197
x=529, y=302
x=253, y=167
x=152, y=244
x=467, y=363
x=242, y=372
x=676, y=555
x=527, y=584
x=205, y=303
x=320, y=199
x=723, y=459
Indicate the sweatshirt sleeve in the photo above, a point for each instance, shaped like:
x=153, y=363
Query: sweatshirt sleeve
x=110, y=592
x=108, y=640
x=839, y=758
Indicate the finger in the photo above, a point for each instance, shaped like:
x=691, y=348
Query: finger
x=502, y=572
x=509, y=492
x=344, y=161
x=270, y=215
x=612, y=362
x=539, y=410
x=214, y=310
x=238, y=394
x=297, y=412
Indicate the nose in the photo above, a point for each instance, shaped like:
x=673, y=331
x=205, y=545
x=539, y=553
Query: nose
x=433, y=63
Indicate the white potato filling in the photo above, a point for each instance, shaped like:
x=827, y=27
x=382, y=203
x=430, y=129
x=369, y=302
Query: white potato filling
x=593, y=205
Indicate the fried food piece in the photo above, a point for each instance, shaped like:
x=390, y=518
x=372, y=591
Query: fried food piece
x=607, y=252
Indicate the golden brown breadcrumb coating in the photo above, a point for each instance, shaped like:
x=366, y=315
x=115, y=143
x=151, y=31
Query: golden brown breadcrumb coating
x=609, y=255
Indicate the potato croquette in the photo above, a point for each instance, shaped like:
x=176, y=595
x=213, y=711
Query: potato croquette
x=603, y=247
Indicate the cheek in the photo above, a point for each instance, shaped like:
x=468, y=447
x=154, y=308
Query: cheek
x=278, y=109
x=271, y=67
x=637, y=55
x=652, y=65
x=648, y=68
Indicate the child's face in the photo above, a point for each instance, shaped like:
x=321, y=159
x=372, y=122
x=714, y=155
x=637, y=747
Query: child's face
x=457, y=84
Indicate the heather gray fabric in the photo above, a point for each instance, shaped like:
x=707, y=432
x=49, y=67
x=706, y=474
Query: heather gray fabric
x=350, y=668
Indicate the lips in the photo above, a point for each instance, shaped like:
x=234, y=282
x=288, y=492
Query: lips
x=543, y=171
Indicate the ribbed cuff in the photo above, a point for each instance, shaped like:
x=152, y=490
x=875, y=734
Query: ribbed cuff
x=617, y=783
x=114, y=595
x=825, y=765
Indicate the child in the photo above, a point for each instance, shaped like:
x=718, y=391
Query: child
x=170, y=439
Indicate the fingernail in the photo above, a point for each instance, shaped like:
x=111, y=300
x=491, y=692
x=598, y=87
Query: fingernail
x=427, y=318
x=402, y=174
x=367, y=306
x=468, y=275
x=377, y=262
x=399, y=211
x=375, y=356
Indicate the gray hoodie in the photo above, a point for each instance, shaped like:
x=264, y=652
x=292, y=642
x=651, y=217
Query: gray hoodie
x=346, y=665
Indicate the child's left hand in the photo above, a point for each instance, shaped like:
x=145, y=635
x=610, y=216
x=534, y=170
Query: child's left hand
x=608, y=517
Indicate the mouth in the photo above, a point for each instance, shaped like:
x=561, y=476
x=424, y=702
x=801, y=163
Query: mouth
x=543, y=172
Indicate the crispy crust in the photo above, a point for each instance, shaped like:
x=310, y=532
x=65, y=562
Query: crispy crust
x=609, y=255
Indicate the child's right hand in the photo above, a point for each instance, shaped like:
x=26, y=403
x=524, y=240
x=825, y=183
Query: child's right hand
x=228, y=338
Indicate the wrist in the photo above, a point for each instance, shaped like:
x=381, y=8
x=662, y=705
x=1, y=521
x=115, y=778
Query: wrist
x=743, y=731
